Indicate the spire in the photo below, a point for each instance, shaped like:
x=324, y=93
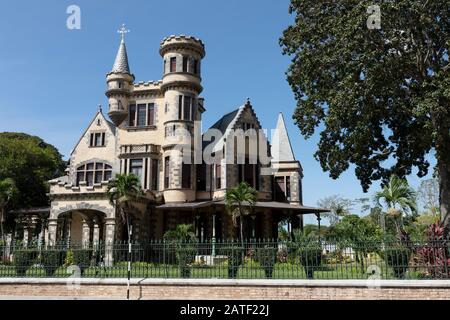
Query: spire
x=121, y=62
x=281, y=145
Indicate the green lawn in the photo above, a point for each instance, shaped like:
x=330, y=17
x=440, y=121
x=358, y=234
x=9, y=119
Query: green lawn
x=249, y=270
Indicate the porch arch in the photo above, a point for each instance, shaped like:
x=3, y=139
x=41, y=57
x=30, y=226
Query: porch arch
x=92, y=223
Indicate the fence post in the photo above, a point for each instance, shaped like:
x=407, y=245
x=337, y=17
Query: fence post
x=213, y=253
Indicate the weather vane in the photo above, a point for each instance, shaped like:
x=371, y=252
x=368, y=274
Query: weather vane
x=123, y=31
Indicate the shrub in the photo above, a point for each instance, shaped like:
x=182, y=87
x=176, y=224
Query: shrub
x=235, y=258
x=68, y=261
x=435, y=256
x=52, y=259
x=23, y=259
x=397, y=257
x=267, y=256
x=186, y=253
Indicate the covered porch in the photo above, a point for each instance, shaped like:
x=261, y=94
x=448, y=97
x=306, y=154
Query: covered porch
x=211, y=220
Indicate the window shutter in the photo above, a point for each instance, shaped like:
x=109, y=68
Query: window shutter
x=91, y=142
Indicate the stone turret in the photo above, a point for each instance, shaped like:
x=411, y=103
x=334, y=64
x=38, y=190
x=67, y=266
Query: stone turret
x=181, y=86
x=119, y=84
x=287, y=170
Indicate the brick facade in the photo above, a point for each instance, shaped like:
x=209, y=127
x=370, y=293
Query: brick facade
x=229, y=289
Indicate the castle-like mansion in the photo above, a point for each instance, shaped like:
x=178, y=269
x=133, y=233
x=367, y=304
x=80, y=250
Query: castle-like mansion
x=153, y=127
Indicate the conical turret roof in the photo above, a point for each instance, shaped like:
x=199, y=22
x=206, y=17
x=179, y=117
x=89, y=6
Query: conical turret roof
x=281, y=145
x=121, y=62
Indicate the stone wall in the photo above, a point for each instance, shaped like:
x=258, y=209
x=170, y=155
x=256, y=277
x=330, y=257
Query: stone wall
x=228, y=289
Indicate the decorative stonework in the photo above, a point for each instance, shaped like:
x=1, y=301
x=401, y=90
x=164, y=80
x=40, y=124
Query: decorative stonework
x=107, y=210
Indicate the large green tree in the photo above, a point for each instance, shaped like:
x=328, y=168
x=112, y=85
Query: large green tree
x=381, y=97
x=30, y=162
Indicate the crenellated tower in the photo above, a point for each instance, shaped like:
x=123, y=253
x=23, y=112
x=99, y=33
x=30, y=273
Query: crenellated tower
x=119, y=84
x=181, y=86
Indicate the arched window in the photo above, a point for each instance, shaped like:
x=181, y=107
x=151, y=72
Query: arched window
x=93, y=172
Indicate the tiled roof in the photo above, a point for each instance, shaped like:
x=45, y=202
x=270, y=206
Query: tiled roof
x=225, y=121
x=121, y=62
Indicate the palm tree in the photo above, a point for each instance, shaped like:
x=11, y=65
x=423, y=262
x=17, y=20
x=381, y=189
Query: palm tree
x=399, y=198
x=240, y=201
x=122, y=191
x=8, y=191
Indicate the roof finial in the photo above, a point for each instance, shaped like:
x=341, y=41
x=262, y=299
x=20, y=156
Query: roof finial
x=247, y=103
x=100, y=108
x=123, y=31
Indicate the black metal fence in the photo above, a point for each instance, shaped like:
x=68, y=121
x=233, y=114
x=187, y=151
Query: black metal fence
x=233, y=259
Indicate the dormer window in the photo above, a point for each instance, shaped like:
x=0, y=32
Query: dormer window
x=97, y=139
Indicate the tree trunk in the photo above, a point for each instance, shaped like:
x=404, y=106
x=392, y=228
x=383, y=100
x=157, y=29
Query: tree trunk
x=444, y=191
x=241, y=227
x=442, y=147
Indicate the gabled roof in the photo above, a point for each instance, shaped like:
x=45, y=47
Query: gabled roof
x=227, y=123
x=121, y=62
x=281, y=144
x=109, y=124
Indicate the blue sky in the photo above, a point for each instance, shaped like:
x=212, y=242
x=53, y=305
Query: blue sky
x=53, y=78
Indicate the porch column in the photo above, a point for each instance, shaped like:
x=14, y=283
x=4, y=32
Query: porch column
x=96, y=232
x=26, y=235
x=110, y=227
x=41, y=235
x=253, y=217
x=68, y=229
x=52, y=228
x=197, y=227
x=8, y=244
x=86, y=230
